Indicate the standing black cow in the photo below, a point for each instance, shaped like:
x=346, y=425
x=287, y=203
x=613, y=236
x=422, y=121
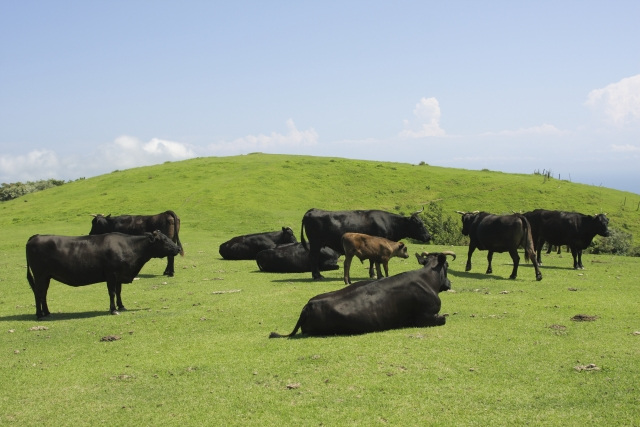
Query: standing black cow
x=248, y=245
x=573, y=229
x=294, y=258
x=114, y=258
x=167, y=222
x=405, y=300
x=325, y=228
x=499, y=233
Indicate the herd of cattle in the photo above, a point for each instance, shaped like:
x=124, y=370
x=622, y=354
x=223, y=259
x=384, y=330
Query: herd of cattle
x=117, y=248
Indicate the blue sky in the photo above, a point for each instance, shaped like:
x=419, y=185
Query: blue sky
x=88, y=87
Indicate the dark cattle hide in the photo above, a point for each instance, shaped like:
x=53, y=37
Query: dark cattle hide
x=573, y=229
x=114, y=258
x=325, y=228
x=294, y=258
x=167, y=222
x=248, y=245
x=377, y=250
x=499, y=233
x=402, y=301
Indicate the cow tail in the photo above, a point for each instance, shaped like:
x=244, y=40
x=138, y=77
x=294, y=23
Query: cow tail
x=32, y=282
x=529, y=249
x=295, y=330
x=176, y=228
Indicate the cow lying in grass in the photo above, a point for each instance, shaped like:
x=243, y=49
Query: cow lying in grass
x=377, y=250
x=405, y=300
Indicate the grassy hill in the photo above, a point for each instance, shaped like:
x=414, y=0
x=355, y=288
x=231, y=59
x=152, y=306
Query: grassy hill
x=193, y=349
x=236, y=195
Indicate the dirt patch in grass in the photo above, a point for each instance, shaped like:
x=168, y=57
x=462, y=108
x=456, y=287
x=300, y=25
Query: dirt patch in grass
x=584, y=318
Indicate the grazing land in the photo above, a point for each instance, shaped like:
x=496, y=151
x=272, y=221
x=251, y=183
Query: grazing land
x=193, y=349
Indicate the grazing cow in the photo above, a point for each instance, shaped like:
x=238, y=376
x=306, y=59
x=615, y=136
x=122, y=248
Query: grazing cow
x=573, y=229
x=325, y=228
x=167, y=222
x=405, y=300
x=248, y=246
x=376, y=249
x=499, y=233
x=114, y=258
x=294, y=258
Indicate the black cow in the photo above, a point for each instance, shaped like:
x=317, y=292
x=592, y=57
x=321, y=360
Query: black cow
x=573, y=229
x=248, y=246
x=294, y=258
x=325, y=228
x=114, y=258
x=405, y=300
x=167, y=222
x=499, y=233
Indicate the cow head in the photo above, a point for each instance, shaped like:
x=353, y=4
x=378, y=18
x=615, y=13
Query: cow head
x=287, y=236
x=162, y=245
x=601, y=225
x=437, y=261
x=467, y=221
x=418, y=231
x=101, y=224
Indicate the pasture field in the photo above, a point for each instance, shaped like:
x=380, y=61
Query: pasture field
x=193, y=349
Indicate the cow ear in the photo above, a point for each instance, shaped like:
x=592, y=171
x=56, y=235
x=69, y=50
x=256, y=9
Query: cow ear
x=108, y=216
x=401, y=244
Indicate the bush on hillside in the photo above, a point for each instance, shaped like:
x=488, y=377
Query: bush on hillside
x=444, y=229
x=619, y=242
x=17, y=189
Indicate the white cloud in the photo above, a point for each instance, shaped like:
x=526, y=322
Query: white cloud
x=292, y=139
x=127, y=152
x=427, y=112
x=544, y=129
x=618, y=102
x=627, y=148
x=30, y=167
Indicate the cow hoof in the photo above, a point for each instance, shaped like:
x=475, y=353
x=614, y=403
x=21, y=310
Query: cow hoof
x=122, y=308
x=538, y=277
x=114, y=312
x=512, y=277
x=168, y=273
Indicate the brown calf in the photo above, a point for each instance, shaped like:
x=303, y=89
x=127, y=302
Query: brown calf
x=376, y=249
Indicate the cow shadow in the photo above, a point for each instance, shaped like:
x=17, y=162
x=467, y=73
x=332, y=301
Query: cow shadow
x=474, y=276
x=54, y=317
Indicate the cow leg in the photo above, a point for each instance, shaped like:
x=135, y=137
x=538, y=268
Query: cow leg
x=580, y=266
x=426, y=320
x=516, y=261
x=169, y=270
x=371, y=273
x=347, y=268
x=574, y=253
x=489, y=259
x=471, y=249
x=314, y=256
x=385, y=264
x=111, y=288
x=121, y=306
x=42, y=310
x=538, y=247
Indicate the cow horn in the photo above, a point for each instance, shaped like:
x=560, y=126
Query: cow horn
x=417, y=212
x=475, y=212
x=461, y=213
x=450, y=253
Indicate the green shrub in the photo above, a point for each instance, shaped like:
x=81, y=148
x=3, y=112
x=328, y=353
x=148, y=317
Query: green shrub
x=18, y=189
x=619, y=242
x=444, y=229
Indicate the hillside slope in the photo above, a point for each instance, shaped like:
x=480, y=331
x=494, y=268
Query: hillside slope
x=226, y=196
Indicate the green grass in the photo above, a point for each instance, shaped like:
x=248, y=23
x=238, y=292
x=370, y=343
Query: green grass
x=193, y=349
